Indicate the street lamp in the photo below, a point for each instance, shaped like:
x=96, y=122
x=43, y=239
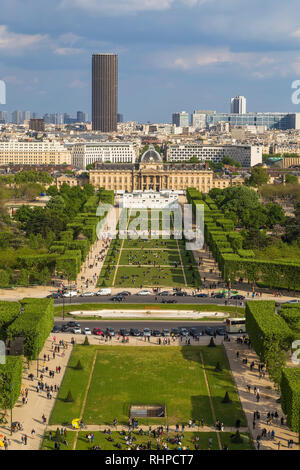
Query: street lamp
x=37, y=362
x=10, y=390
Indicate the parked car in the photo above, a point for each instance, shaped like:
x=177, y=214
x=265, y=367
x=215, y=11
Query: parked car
x=125, y=292
x=98, y=332
x=166, y=332
x=72, y=324
x=86, y=331
x=124, y=332
x=134, y=332
x=237, y=297
x=195, y=332
x=184, y=332
x=221, y=331
x=76, y=330
x=56, y=329
x=169, y=301
x=110, y=331
x=180, y=293
x=144, y=292
x=209, y=331
x=219, y=296
x=175, y=332
x=146, y=332
x=106, y=291
x=54, y=295
x=70, y=293
x=164, y=292
x=156, y=333
x=65, y=329
x=294, y=301
x=201, y=295
x=87, y=294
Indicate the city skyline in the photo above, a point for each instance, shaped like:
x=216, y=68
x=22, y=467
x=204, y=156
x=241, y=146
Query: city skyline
x=254, y=51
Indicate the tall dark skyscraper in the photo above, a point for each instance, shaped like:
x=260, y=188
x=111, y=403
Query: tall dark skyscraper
x=104, y=92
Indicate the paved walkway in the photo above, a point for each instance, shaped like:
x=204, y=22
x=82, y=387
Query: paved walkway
x=30, y=415
x=268, y=396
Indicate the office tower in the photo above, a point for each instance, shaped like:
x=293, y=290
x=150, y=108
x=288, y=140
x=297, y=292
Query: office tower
x=36, y=116
x=37, y=125
x=3, y=117
x=104, y=92
x=26, y=116
x=238, y=105
x=180, y=119
x=120, y=118
x=81, y=116
x=16, y=117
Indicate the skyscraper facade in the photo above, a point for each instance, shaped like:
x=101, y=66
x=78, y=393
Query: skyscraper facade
x=180, y=119
x=104, y=92
x=238, y=105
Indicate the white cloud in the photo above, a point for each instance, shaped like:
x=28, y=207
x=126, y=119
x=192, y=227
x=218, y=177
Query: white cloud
x=295, y=34
x=67, y=50
x=17, y=41
x=117, y=7
x=77, y=84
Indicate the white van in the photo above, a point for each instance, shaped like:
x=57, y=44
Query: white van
x=104, y=292
x=71, y=293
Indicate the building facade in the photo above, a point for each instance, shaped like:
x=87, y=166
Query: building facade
x=33, y=153
x=84, y=154
x=104, y=92
x=246, y=155
x=152, y=174
x=180, y=119
x=281, y=121
x=238, y=105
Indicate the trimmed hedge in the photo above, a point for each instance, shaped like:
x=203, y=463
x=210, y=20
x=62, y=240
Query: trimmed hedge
x=265, y=327
x=10, y=375
x=35, y=324
x=290, y=396
x=8, y=312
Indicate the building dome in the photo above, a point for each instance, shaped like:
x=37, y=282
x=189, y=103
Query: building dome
x=151, y=156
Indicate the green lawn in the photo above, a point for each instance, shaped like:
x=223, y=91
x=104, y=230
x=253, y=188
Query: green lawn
x=129, y=276
x=220, y=383
x=76, y=381
x=188, y=441
x=169, y=376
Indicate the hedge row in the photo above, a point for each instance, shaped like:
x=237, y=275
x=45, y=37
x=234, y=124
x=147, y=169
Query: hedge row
x=10, y=381
x=35, y=323
x=290, y=396
x=8, y=312
x=265, y=328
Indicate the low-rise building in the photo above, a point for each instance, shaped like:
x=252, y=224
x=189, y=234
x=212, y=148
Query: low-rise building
x=33, y=153
x=246, y=155
x=87, y=153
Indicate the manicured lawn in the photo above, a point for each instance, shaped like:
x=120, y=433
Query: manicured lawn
x=76, y=381
x=149, y=276
x=48, y=444
x=189, y=440
x=101, y=440
x=219, y=384
x=169, y=376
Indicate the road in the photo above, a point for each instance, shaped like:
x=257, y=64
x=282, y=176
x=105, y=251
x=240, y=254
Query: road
x=152, y=324
x=146, y=300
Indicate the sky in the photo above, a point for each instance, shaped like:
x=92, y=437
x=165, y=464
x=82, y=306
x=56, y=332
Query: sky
x=173, y=54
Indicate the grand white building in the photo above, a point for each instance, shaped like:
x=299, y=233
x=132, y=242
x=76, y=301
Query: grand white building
x=246, y=155
x=84, y=154
x=33, y=153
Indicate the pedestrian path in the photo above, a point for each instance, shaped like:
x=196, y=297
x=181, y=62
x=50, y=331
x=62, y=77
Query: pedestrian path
x=243, y=377
x=30, y=414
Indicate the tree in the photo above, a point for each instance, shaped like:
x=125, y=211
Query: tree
x=275, y=214
x=69, y=398
x=259, y=176
x=211, y=343
x=291, y=179
x=226, y=398
x=86, y=341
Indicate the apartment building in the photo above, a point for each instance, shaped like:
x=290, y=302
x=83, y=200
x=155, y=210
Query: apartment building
x=84, y=154
x=33, y=153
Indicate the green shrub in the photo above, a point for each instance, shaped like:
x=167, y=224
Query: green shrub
x=290, y=396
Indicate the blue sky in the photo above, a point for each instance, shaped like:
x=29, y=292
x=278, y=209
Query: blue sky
x=173, y=54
